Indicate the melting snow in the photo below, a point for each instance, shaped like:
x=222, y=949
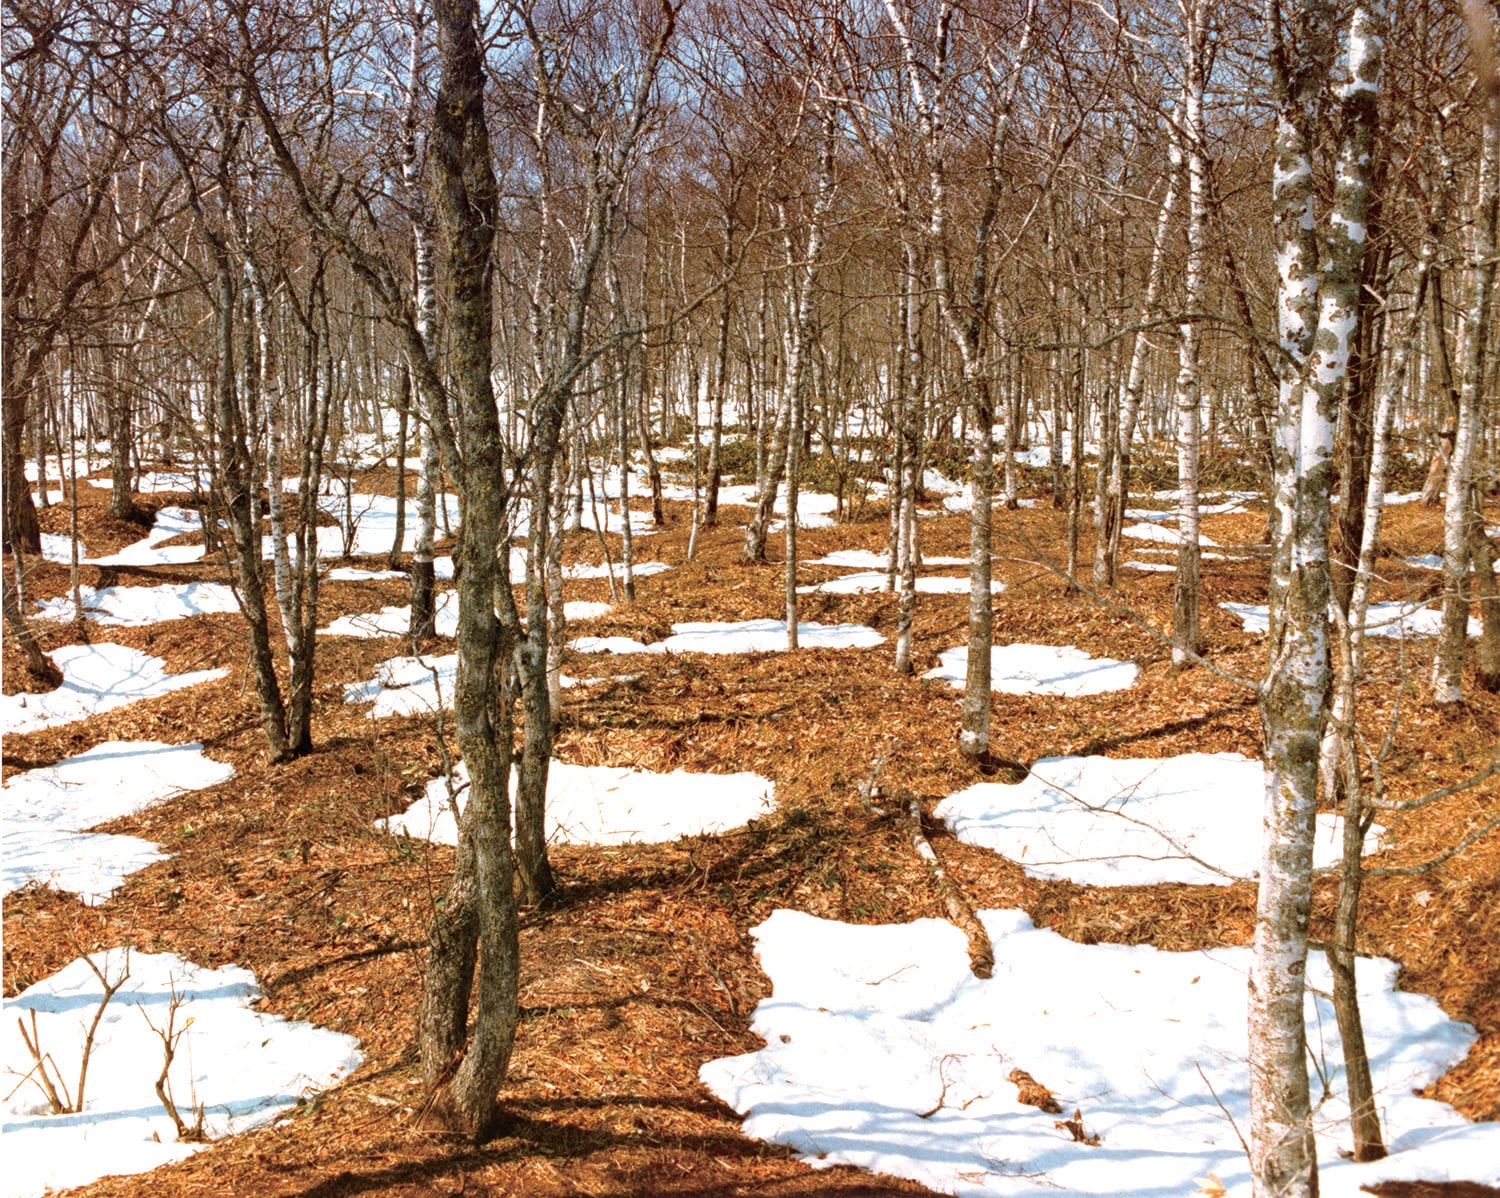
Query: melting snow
x=874, y=580
x=1155, y=532
x=745, y=636
x=96, y=679
x=597, y=804
x=57, y=548
x=240, y=1065
x=1040, y=670
x=883, y=1051
x=863, y=559
x=133, y=607
x=1100, y=821
x=408, y=686
x=1394, y=620
x=47, y=810
x=170, y=522
x=396, y=621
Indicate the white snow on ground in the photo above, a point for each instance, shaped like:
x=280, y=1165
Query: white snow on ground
x=814, y=508
x=1040, y=670
x=96, y=679
x=1152, y=567
x=131, y=607
x=746, y=636
x=883, y=1051
x=47, y=810
x=874, y=580
x=240, y=1065
x=1151, y=514
x=637, y=569
x=863, y=559
x=1227, y=499
x=613, y=644
x=766, y=636
x=396, y=621
x=1100, y=821
x=374, y=524
x=408, y=686
x=57, y=548
x=356, y=574
x=1206, y=554
x=159, y=482
x=149, y=551
x=1156, y=532
x=598, y=804
x=1434, y=561
x=1394, y=620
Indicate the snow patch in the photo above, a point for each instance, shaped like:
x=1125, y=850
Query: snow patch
x=1040, y=670
x=874, y=580
x=135, y=607
x=47, y=810
x=1099, y=821
x=597, y=804
x=396, y=621
x=96, y=679
x=884, y=1052
x=242, y=1066
x=1393, y=620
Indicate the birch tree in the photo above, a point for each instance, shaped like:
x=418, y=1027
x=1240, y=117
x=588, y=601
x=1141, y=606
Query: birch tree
x=1187, y=635
x=1316, y=316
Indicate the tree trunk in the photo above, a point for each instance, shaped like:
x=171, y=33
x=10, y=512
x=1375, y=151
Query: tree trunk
x=464, y=1090
x=1187, y=636
x=1317, y=308
x=403, y=427
x=1447, y=666
x=974, y=732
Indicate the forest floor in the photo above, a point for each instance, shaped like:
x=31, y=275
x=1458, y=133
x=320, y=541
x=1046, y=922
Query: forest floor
x=641, y=968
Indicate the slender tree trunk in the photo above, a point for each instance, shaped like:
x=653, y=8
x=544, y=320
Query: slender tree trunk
x=1447, y=666
x=974, y=734
x=403, y=427
x=912, y=381
x=716, y=429
x=1107, y=546
x=1187, y=636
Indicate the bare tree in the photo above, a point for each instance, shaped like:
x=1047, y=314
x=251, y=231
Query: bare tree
x=1316, y=314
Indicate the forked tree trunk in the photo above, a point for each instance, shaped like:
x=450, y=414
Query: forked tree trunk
x=1316, y=315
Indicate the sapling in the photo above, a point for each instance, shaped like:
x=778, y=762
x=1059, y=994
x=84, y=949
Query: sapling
x=50, y=1083
x=187, y=1133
